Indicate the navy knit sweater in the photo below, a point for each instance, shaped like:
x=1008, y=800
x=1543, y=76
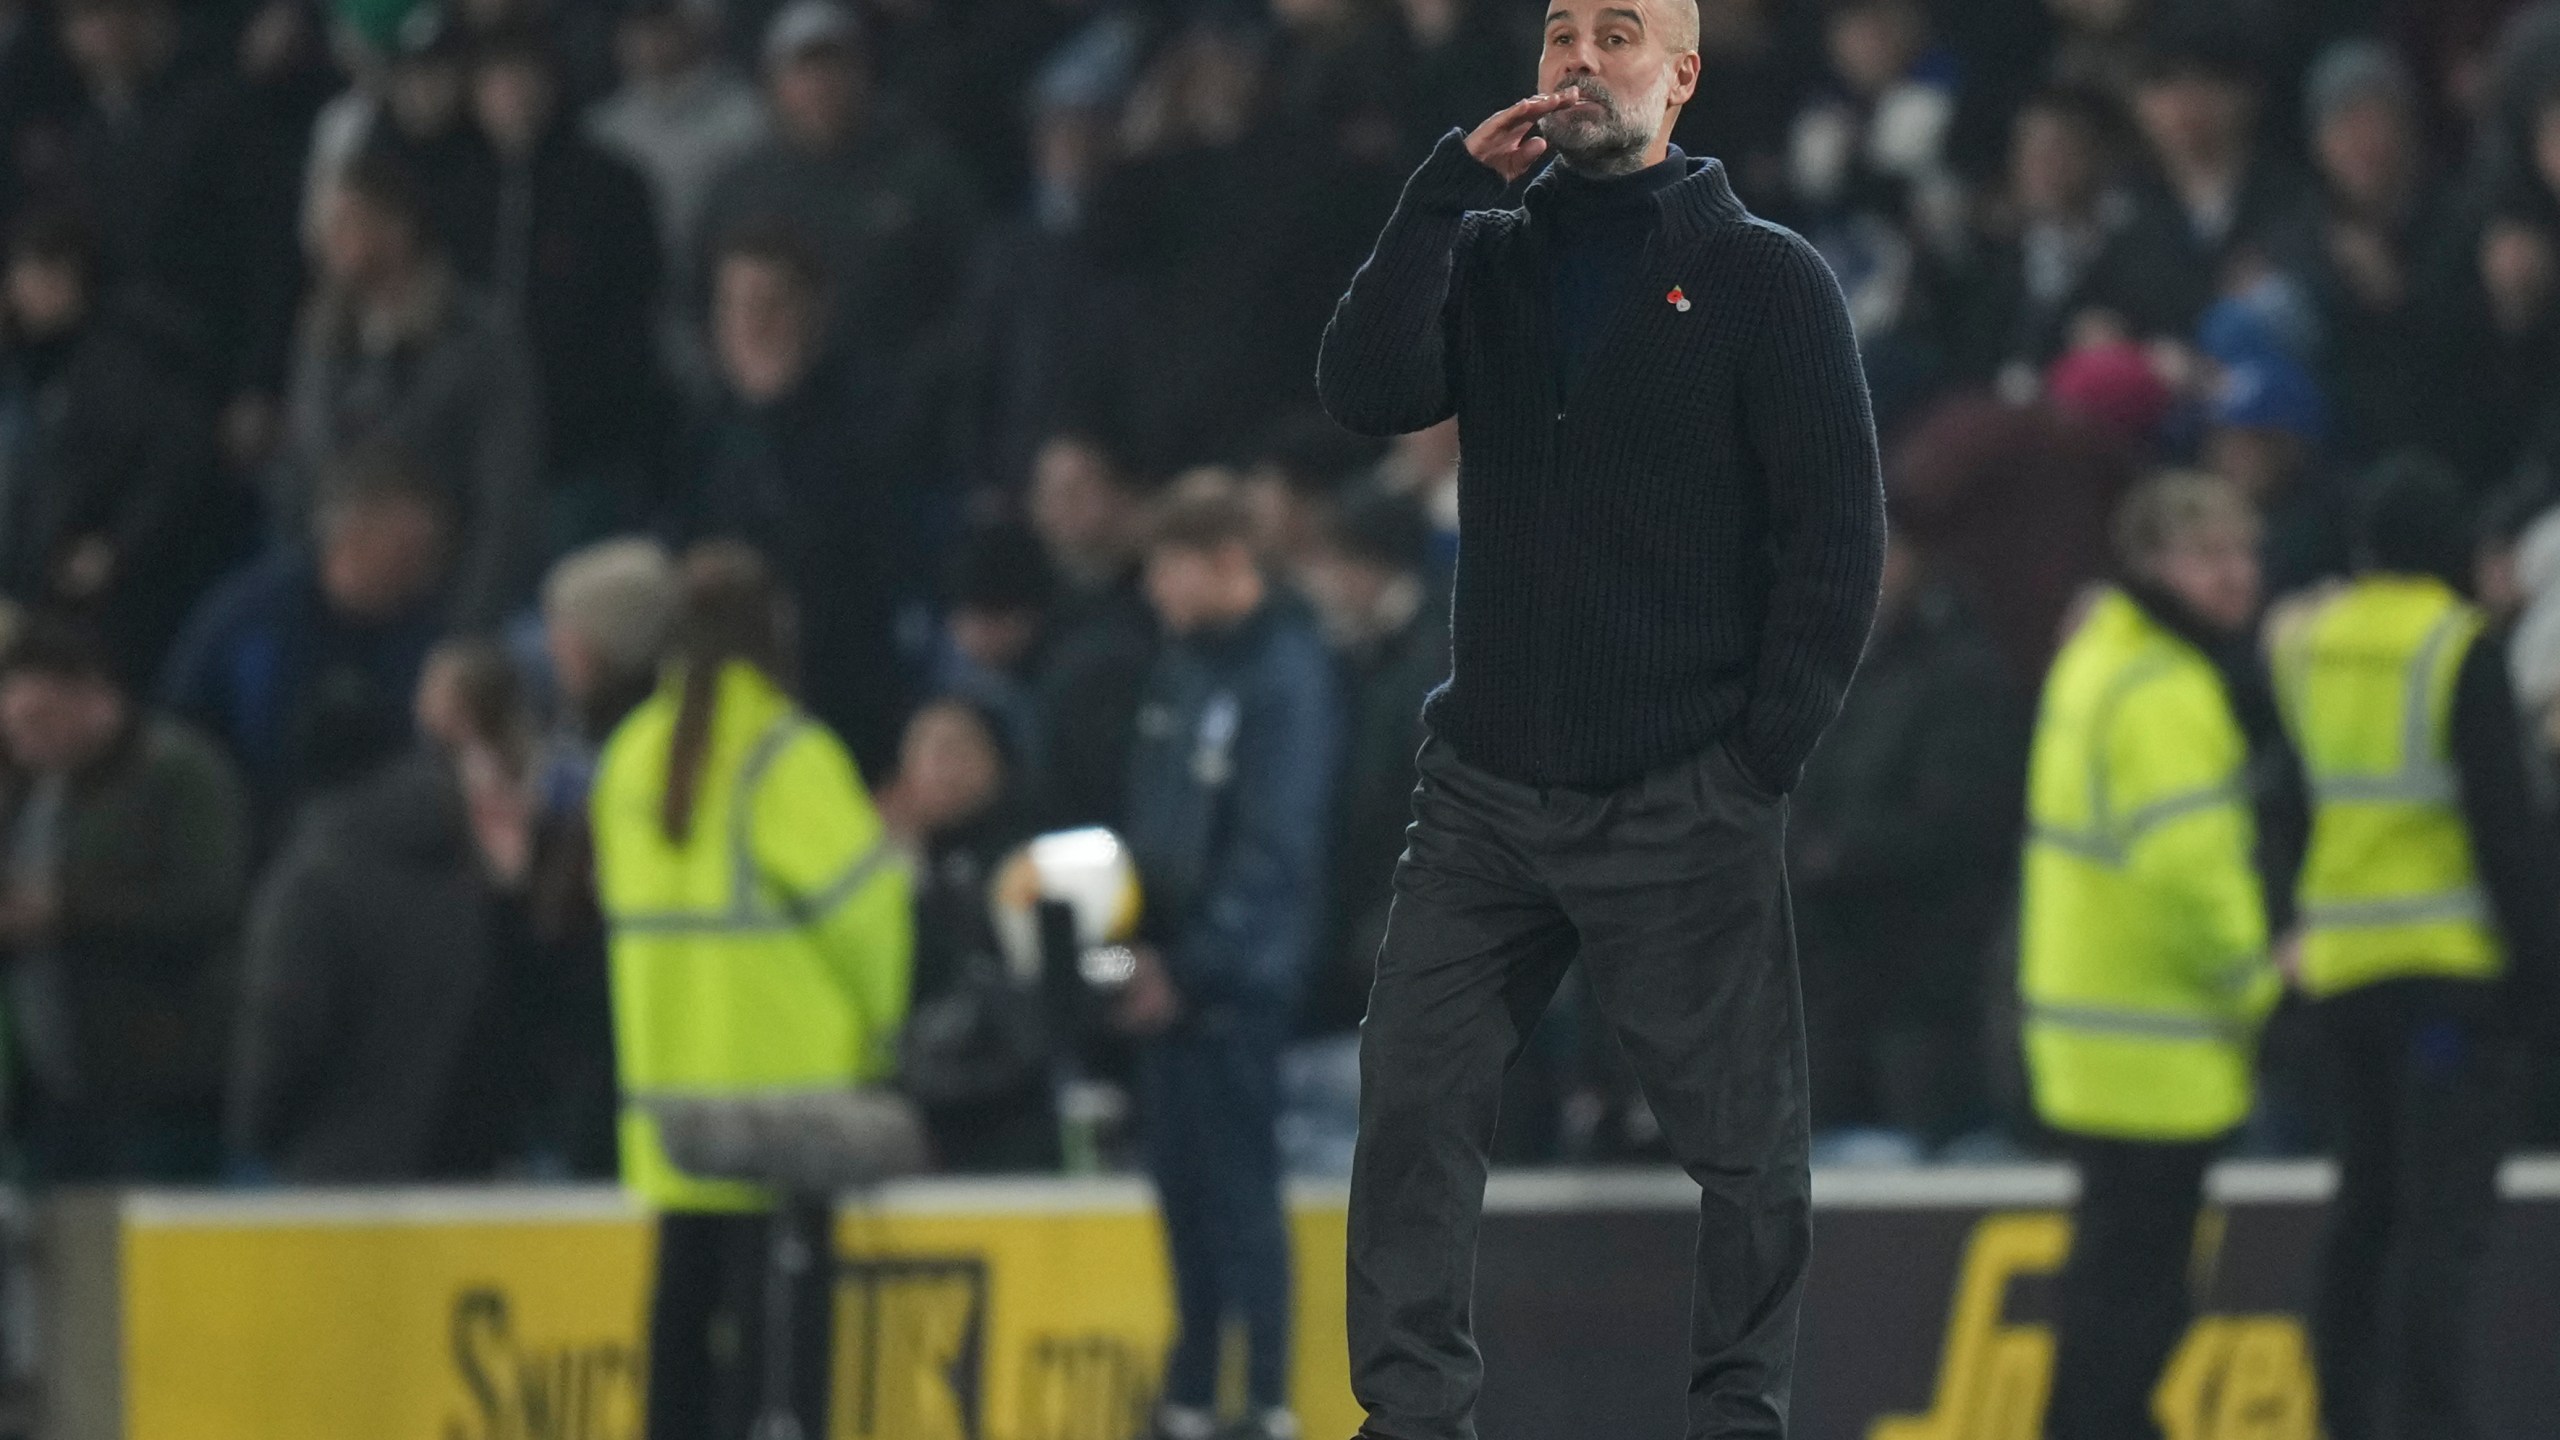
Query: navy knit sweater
x=1682, y=550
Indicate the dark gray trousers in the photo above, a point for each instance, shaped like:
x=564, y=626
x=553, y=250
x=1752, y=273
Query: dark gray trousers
x=1672, y=890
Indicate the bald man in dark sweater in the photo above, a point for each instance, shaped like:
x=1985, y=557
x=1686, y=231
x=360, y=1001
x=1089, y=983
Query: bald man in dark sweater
x=1671, y=531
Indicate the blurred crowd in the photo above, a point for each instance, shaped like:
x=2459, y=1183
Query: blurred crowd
x=364, y=364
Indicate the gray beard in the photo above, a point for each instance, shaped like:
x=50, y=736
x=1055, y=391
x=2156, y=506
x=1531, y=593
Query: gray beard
x=1601, y=150
x=1606, y=158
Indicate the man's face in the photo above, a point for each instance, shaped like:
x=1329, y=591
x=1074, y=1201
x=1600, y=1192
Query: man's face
x=2213, y=568
x=359, y=245
x=46, y=297
x=1632, y=72
x=652, y=45
x=2191, y=115
x=55, y=723
x=380, y=556
x=1191, y=589
x=2367, y=151
x=763, y=328
x=2052, y=165
x=426, y=95
x=513, y=100
x=949, y=766
x=818, y=95
x=119, y=42
x=1077, y=509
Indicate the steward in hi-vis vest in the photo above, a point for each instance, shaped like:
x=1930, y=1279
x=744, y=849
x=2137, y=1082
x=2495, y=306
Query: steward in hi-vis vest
x=2143, y=968
x=760, y=932
x=2429, y=901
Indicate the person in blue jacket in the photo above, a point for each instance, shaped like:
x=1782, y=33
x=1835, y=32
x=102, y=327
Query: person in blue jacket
x=1230, y=795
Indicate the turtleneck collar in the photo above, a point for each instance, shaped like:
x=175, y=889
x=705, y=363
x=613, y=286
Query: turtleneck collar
x=1578, y=193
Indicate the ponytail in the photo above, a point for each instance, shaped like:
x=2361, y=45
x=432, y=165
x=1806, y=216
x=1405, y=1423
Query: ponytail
x=731, y=612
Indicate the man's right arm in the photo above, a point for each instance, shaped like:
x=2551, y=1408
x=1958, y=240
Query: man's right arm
x=1384, y=368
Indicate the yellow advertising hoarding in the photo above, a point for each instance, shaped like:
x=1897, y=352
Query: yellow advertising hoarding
x=967, y=1312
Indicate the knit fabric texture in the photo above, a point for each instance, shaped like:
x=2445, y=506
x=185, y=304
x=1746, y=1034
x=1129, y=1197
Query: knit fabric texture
x=1682, y=550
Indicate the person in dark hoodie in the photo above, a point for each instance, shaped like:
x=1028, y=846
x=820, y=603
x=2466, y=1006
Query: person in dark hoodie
x=124, y=839
x=106, y=437
x=2429, y=947
x=563, y=236
x=385, y=951
x=806, y=460
x=977, y=1057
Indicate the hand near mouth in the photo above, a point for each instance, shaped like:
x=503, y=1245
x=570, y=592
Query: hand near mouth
x=1508, y=141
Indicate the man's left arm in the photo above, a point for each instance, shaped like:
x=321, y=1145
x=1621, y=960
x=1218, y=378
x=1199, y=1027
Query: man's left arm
x=1251, y=929
x=1806, y=417
x=2511, y=839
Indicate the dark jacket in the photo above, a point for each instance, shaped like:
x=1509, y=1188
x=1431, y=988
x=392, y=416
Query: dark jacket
x=1230, y=793
x=568, y=243
x=128, y=1007
x=1905, y=831
x=1383, y=688
x=301, y=698
x=107, y=434
x=373, y=956
x=1009, y=1120
x=891, y=212
x=1684, y=550
x=1085, y=697
x=456, y=389
x=820, y=482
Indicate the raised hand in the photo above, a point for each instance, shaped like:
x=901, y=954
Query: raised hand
x=1509, y=142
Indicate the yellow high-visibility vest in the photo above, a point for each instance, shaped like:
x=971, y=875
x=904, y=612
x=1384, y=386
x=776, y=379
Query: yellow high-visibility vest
x=2389, y=887
x=768, y=951
x=2143, y=934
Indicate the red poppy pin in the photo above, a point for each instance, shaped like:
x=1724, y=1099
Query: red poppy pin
x=1677, y=301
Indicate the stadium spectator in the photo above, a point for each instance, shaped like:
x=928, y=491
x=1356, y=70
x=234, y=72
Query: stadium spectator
x=997, y=600
x=1758, y=59
x=395, y=350
x=2371, y=246
x=563, y=237
x=107, y=446
x=2015, y=502
x=412, y=105
x=1298, y=474
x=1024, y=354
x=379, y=1008
x=1461, y=62
x=681, y=116
x=124, y=840
x=1230, y=787
x=2060, y=247
x=39, y=95
x=977, y=1054
x=2218, y=190
x=302, y=664
x=156, y=162
x=1900, y=846
x=2429, y=947
x=720, y=793
x=883, y=202
x=807, y=458
x=1389, y=630
x=1088, y=511
x=2265, y=423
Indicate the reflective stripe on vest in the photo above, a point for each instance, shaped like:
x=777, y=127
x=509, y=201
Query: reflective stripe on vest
x=2422, y=779
x=2109, y=841
x=747, y=913
x=2141, y=1024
